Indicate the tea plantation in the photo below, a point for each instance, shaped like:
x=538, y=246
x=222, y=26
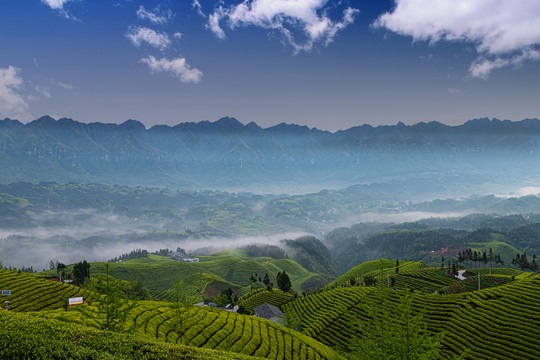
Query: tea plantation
x=495, y=323
x=499, y=322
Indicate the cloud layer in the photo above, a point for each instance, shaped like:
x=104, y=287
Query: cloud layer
x=307, y=19
x=504, y=32
x=12, y=103
x=176, y=67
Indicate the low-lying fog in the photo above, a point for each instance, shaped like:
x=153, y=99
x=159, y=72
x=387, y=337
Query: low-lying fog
x=72, y=236
x=87, y=235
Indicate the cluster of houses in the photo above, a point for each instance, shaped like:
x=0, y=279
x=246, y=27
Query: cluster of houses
x=182, y=256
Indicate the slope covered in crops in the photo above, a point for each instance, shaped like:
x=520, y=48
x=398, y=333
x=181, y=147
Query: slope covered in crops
x=31, y=293
x=189, y=325
x=27, y=337
x=495, y=323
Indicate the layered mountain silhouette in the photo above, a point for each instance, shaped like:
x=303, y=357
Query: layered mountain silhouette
x=227, y=154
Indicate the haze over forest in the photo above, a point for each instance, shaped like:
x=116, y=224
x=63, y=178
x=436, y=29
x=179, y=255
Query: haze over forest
x=73, y=190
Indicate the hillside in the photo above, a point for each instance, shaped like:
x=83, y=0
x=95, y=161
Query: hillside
x=495, y=323
x=200, y=326
x=229, y=155
x=28, y=337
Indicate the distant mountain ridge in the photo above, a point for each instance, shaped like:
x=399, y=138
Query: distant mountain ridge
x=227, y=154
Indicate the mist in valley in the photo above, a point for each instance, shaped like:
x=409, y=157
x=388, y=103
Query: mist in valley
x=70, y=236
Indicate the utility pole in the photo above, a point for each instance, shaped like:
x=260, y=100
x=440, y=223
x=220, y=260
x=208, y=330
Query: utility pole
x=478, y=281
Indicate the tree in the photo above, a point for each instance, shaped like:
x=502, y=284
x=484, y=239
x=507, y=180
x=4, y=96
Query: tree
x=180, y=304
x=60, y=269
x=394, y=333
x=283, y=281
x=534, y=264
x=114, y=306
x=81, y=271
x=397, y=266
x=266, y=280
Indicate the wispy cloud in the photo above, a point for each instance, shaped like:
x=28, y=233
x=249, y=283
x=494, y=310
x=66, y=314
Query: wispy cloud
x=454, y=91
x=483, y=66
x=176, y=67
x=55, y=4
x=157, y=16
x=43, y=91
x=197, y=6
x=58, y=5
x=504, y=32
x=139, y=35
x=12, y=103
x=63, y=85
x=306, y=19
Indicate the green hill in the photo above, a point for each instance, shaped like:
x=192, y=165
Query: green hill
x=32, y=293
x=258, y=297
x=495, y=323
x=370, y=266
x=28, y=337
x=202, y=326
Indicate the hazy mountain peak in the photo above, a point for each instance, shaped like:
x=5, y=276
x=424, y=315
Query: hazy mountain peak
x=45, y=120
x=132, y=125
x=228, y=122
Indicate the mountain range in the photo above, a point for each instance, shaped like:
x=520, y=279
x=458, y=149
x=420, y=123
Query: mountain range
x=479, y=155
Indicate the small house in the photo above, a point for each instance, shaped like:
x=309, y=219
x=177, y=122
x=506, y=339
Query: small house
x=270, y=312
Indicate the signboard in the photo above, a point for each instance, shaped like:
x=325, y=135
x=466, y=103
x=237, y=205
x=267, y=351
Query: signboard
x=75, y=301
x=6, y=292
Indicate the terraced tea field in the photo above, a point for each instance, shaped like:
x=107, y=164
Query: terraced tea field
x=33, y=293
x=495, y=323
x=191, y=325
x=33, y=338
x=372, y=267
x=258, y=297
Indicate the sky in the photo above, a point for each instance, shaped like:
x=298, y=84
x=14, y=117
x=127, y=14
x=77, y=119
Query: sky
x=329, y=64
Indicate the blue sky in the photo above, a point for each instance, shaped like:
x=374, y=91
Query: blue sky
x=322, y=63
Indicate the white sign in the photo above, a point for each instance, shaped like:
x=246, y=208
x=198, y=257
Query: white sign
x=6, y=292
x=75, y=301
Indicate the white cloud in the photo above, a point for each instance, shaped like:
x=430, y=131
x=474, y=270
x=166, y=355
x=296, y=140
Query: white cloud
x=157, y=16
x=482, y=67
x=496, y=27
x=43, y=91
x=454, y=91
x=197, y=5
x=138, y=35
x=55, y=4
x=12, y=103
x=176, y=67
x=64, y=85
x=309, y=17
x=177, y=35
x=58, y=5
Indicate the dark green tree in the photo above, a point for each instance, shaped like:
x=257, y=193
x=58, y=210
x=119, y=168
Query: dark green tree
x=283, y=281
x=60, y=269
x=266, y=280
x=81, y=271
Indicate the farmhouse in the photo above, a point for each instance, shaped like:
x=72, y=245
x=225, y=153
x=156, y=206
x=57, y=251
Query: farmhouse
x=182, y=256
x=269, y=312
